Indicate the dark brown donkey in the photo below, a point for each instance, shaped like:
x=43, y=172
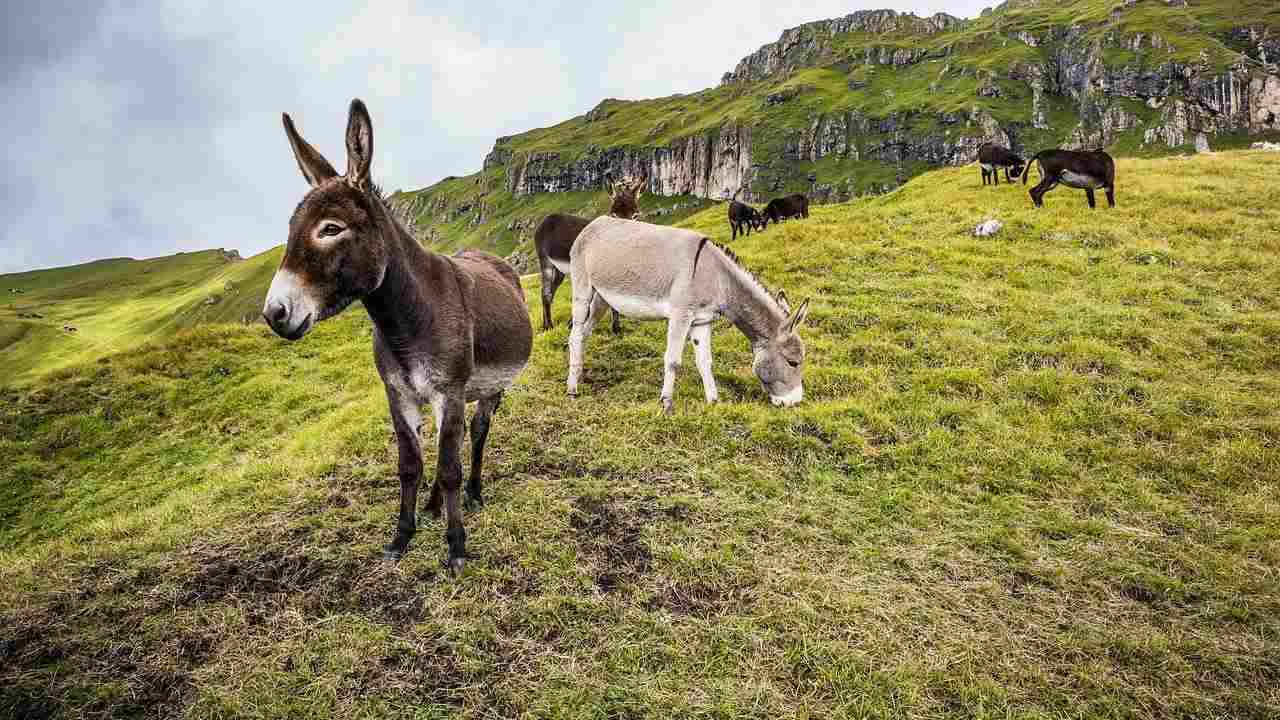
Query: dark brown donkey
x=447, y=330
x=556, y=233
x=1086, y=171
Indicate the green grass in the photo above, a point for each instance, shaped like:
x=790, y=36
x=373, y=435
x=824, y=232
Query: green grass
x=119, y=303
x=1034, y=476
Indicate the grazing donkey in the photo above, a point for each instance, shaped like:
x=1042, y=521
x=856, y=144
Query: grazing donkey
x=446, y=330
x=744, y=218
x=651, y=272
x=993, y=157
x=1086, y=171
x=780, y=209
x=556, y=233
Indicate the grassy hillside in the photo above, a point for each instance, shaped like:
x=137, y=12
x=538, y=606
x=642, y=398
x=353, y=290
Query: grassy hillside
x=1034, y=476
x=853, y=112
x=116, y=304
x=478, y=211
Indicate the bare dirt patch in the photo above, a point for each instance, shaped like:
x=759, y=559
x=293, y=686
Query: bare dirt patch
x=610, y=535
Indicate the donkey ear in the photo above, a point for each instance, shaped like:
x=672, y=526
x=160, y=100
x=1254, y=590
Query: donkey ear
x=639, y=187
x=312, y=164
x=782, y=303
x=799, y=317
x=359, y=145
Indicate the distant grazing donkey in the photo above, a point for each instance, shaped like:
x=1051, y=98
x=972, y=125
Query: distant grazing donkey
x=652, y=272
x=993, y=157
x=624, y=196
x=780, y=209
x=446, y=330
x=556, y=233
x=743, y=218
x=1087, y=171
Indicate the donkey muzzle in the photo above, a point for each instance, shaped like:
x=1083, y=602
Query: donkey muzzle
x=792, y=397
x=284, y=323
x=287, y=310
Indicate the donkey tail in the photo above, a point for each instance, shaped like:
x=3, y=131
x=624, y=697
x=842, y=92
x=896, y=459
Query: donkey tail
x=1036, y=160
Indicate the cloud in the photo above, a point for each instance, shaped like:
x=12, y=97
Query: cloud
x=143, y=127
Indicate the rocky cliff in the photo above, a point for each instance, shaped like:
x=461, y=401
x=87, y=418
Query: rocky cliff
x=860, y=103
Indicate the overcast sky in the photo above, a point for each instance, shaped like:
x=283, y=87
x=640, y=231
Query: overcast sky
x=147, y=127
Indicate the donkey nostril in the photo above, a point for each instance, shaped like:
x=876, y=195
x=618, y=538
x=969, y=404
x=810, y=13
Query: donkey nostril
x=276, y=313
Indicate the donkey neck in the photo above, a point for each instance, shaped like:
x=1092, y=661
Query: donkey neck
x=746, y=304
x=401, y=306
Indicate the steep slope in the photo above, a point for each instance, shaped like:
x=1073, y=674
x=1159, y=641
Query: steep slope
x=858, y=104
x=57, y=317
x=1048, y=457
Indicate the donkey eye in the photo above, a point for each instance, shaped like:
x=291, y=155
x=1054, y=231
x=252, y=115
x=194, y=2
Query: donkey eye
x=793, y=363
x=330, y=229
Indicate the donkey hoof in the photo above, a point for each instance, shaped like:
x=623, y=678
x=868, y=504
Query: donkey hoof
x=455, y=565
x=668, y=407
x=473, y=503
x=392, y=552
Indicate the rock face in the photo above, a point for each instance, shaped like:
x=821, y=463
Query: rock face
x=810, y=44
x=921, y=91
x=715, y=164
x=893, y=139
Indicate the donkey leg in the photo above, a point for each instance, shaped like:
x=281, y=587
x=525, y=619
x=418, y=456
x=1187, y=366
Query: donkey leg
x=551, y=279
x=1037, y=192
x=677, y=332
x=407, y=420
x=1111, y=196
x=587, y=306
x=480, y=433
x=435, y=501
x=449, y=476
x=617, y=323
x=1088, y=193
x=700, y=336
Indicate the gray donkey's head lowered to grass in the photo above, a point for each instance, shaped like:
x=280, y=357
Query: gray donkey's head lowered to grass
x=652, y=272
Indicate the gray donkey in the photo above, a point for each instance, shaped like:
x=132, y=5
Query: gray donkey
x=446, y=330
x=650, y=272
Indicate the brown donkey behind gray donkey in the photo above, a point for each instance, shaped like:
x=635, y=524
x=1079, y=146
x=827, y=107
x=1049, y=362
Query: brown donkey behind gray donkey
x=652, y=272
x=556, y=233
x=447, y=330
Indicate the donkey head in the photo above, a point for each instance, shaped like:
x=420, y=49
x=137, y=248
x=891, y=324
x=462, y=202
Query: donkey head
x=336, y=251
x=779, y=362
x=625, y=194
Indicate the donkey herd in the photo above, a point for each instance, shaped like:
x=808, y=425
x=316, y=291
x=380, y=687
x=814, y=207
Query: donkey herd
x=450, y=330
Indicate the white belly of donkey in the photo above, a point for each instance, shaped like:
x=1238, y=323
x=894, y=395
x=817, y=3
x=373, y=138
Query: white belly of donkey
x=1077, y=180
x=636, y=306
x=487, y=380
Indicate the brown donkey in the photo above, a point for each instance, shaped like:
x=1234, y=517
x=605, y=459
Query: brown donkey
x=557, y=231
x=447, y=330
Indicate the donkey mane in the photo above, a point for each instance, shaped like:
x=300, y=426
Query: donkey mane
x=754, y=278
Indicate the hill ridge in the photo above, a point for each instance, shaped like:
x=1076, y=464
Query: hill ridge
x=855, y=105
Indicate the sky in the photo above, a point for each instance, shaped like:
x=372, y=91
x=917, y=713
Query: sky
x=147, y=127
